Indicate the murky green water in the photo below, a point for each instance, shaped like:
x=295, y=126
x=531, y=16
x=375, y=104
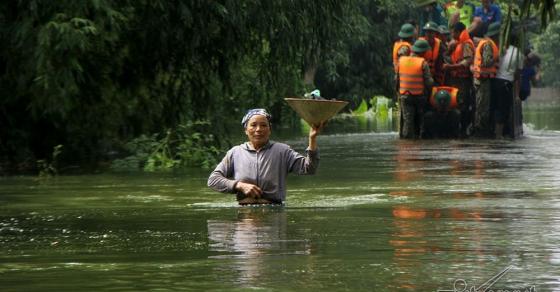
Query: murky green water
x=382, y=214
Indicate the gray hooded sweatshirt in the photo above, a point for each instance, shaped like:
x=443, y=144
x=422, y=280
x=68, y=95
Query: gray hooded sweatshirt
x=266, y=168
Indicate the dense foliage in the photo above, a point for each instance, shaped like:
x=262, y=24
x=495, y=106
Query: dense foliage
x=92, y=75
x=546, y=45
x=95, y=75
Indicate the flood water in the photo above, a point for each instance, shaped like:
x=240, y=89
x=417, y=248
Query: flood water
x=382, y=214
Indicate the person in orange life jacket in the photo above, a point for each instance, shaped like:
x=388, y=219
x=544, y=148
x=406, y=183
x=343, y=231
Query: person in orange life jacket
x=413, y=81
x=403, y=46
x=460, y=74
x=434, y=57
x=485, y=66
x=442, y=119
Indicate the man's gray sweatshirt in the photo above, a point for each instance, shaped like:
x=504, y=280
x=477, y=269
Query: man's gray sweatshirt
x=266, y=168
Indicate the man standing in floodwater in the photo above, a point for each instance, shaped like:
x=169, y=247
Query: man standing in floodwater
x=413, y=81
x=484, y=70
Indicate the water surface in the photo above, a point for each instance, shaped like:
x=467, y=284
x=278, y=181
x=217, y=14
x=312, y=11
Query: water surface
x=382, y=214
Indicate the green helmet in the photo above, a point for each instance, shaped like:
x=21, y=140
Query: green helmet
x=420, y=46
x=407, y=30
x=431, y=26
x=443, y=29
x=442, y=99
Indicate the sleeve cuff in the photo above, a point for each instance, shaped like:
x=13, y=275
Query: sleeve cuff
x=312, y=153
x=231, y=185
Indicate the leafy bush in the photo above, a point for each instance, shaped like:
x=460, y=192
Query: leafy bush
x=184, y=146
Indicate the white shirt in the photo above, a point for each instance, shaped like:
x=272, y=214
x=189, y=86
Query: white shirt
x=510, y=62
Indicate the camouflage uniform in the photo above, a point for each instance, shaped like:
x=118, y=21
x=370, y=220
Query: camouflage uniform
x=444, y=124
x=466, y=102
x=483, y=91
x=412, y=108
x=404, y=51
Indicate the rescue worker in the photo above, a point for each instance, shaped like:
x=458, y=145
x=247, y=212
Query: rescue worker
x=445, y=37
x=403, y=46
x=460, y=74
x=413, y=81
x=434, y=57
x=485, y=66
x=442, y=119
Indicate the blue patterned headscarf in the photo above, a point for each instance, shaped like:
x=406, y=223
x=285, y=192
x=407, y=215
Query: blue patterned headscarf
x=253, y=112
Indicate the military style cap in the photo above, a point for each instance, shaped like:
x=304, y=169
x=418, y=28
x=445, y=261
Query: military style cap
x=431, y=26
x=443, y=99
x=420, y=46
x=493, y=29
x=443, y=29
x=407, y=30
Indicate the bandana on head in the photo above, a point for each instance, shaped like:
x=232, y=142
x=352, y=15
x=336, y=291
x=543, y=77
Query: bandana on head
x=253, y=112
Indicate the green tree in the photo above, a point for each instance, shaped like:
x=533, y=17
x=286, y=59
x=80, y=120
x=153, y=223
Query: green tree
x=92, y=75
x=546, y=45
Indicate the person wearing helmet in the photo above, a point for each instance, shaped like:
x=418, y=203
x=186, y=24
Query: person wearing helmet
x=444, y=34
x=442, y=119
x=445, y=37
x=485, y=66
x=434, y=57
x=403, y=46
x=413, y=80
x=460, y=75
x=257, y=170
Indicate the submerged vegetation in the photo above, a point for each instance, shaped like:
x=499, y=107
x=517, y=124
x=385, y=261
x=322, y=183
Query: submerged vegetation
x=101, y=77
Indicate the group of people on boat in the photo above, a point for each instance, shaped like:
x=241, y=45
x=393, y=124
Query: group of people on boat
x=451, y=78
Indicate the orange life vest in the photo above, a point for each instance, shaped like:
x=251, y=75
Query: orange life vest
x=411, y=77
x=479, y=71
x=432, y=55
x=457, y=55
x=396, y=47
x=453, y=91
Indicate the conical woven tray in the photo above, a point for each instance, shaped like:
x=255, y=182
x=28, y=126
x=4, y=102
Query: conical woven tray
x=314, y=112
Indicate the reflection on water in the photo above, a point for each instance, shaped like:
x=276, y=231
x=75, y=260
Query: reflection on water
x=256, y=234
x=382, y=214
